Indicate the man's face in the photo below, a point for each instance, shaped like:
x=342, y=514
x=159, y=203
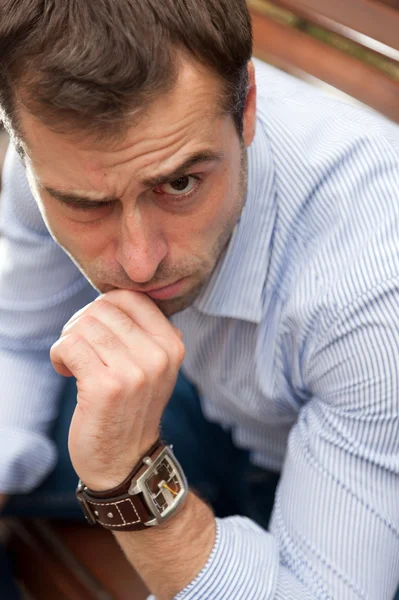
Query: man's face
x=153, y=212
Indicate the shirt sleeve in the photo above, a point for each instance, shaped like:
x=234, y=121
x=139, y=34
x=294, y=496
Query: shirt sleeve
x=335, y=525
x=40, y=288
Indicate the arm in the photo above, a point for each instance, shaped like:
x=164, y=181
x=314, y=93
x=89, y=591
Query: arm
x=336, y=515
x=335, y=527
x=39, y=289
x=125, y=356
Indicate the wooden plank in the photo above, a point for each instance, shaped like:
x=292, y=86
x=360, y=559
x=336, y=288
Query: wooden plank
x=377, y=20
x=334, y=35
x=290, y=49
x=42, y=573
x=71, y=561
x=98, y=552
x=392, y=3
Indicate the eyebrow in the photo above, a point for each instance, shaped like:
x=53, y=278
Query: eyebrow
x=83, y=199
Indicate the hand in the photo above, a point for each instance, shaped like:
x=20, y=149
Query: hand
x=125, y=356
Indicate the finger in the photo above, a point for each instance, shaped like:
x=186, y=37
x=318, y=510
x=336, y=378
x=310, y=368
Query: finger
x=78, y=314
x=144, y=312
x=72, y=355
x=89, y=307
x=118, y=341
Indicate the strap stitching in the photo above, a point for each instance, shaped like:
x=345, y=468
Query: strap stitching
x=115, y=504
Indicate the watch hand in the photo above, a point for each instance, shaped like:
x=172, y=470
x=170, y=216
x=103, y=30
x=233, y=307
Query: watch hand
x=165, y=485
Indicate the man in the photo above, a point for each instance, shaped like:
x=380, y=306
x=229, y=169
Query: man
x=249, y=236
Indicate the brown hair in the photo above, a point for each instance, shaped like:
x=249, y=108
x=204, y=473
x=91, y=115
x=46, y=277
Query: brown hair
x=91, y=63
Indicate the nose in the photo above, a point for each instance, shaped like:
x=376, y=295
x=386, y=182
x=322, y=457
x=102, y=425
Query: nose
x=140, y=247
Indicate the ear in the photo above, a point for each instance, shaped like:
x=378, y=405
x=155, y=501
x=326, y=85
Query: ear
x=249, y=121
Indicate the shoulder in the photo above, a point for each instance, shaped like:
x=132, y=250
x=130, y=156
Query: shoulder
x=311, y=131
x=336, y=173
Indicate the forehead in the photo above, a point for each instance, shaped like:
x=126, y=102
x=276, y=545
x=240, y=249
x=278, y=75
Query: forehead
x=185, y=120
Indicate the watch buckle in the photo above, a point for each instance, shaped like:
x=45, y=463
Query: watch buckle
x=90, y=517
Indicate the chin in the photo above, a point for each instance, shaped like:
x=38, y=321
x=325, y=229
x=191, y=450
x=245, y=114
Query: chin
x=176, y=305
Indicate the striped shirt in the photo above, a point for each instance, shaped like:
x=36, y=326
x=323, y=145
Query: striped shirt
x=293, y=345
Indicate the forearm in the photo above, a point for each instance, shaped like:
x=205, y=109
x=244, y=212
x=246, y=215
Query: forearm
x=168, y=557
x=129, y=357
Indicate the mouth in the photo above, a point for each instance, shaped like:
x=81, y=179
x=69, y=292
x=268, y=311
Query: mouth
x=166, y=292
x=160, y=293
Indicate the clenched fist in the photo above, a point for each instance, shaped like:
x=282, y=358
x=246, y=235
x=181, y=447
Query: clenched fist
x=125, y=356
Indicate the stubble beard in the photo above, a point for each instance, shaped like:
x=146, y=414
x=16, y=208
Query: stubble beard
x=180, y=303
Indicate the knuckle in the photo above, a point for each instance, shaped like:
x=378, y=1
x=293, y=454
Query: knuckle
x=138, y=377
x=88, y=321
x=159, y=362
x=73, y=341
x=113, y=387
x=179, y=351
x=100, y=304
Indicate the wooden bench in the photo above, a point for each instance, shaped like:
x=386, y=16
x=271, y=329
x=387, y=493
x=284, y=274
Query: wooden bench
x=66, y=561
x=352, y=45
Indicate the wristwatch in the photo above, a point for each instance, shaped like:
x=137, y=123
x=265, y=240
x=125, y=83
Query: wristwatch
x=152, y=493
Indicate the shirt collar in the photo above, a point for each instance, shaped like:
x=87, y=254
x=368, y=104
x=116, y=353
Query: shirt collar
x=236, y=286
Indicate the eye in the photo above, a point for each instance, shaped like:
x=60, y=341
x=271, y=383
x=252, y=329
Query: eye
x=179, y=187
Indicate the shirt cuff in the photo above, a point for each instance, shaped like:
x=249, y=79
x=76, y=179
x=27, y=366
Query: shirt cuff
x=26, y=459
x=243, y=564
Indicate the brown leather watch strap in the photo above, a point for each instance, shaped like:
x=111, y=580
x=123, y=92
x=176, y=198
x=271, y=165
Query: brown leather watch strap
x=116, y=509
x=127, y=513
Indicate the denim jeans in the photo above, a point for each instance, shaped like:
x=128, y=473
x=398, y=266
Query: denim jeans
x=221, y=473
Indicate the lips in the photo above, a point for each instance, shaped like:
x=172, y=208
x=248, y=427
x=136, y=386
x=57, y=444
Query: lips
x=166, y=292
x=161, y=293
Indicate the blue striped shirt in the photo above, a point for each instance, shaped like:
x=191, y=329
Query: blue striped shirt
x=293, y=344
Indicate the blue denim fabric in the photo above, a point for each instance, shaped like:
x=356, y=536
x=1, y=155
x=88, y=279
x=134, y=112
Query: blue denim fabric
x=221, y=473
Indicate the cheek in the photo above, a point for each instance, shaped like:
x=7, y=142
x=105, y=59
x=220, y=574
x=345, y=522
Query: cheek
x=221, y=202
x=197, y=231
x=84, y=241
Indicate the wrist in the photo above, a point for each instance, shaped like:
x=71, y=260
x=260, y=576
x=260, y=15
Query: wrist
x=111, y=476
x=149, y=495
x=168, y=557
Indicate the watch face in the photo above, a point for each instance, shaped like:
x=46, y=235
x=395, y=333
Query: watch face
x=163, y=485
